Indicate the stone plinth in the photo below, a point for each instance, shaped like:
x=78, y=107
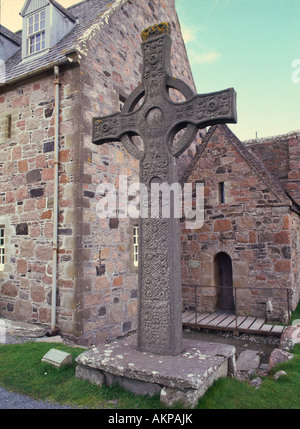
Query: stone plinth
x=184, y=377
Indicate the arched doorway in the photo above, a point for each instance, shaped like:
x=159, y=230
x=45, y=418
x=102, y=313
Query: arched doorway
x=223, y=279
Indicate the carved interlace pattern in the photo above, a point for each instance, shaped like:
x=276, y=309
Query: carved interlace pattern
x=155, y=121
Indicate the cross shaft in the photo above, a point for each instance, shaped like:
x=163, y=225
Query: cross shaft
x=156, y=121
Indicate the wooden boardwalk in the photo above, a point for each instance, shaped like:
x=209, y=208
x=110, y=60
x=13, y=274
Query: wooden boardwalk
x=226, y=321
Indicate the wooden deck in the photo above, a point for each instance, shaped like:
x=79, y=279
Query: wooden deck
x=226, y=321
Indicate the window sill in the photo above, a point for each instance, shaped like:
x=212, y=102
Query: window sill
x=37, y=55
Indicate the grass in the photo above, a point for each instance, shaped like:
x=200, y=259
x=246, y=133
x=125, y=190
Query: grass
x=283, y=393
x=296, y=313
x=22, y=371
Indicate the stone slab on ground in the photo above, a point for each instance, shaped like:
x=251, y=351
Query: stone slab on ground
x=183, y=378
x=22, y=329
x=55, y=339
x=248, y=360
x=278, y=356
x=290, y=337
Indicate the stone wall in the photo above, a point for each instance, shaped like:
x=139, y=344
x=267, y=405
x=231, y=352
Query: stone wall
x=293, y=184
x=281, y=156
x=295, y=258
x=26, y=195
x=97, y=280
x=254, y=226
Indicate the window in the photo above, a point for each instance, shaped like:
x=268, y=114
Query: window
x=121, y=103
x=36, y=25
x=8, y=127
x=135, y=246
x=222, y=193
x=2, y=248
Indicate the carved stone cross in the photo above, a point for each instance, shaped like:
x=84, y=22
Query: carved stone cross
x=157, y=119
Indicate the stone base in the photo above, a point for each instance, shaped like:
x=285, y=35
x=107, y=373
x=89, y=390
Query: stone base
x=183, y=378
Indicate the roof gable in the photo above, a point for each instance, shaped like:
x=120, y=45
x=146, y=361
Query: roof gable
x=253, y=162
x=33, y=5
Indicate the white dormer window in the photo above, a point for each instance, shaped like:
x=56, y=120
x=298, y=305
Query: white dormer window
x=36, y=27
x=45, y=23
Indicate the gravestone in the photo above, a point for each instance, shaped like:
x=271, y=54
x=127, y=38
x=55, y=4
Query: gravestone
x=150, y=113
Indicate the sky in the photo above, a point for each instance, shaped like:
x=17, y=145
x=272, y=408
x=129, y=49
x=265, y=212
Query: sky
x=250, y=45
x=253, y=46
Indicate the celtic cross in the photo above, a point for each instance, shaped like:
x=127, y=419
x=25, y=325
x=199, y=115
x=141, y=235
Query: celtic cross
x=150, y=113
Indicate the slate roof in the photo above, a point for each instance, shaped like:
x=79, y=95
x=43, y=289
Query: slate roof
x=87, y=13
x=16, y=38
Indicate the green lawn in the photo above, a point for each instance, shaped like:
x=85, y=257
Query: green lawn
x=21, y=370
x=296, y=313
x=281, y=394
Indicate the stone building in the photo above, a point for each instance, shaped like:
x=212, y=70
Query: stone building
x=65, y=67
x=249, y=243
x=60, y=263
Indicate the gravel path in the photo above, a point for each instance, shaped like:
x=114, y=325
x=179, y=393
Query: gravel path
x=13, y=401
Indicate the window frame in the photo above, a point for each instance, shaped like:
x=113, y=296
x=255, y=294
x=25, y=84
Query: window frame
x=8, y=128
x=41, y=31
x=2, y=247
x=121, y=102
x=222, y=194
x=135, y=246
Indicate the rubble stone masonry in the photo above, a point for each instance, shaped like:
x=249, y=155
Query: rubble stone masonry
x=26, y=196
x=281, y=155
x=255, y=226
x=97, y=280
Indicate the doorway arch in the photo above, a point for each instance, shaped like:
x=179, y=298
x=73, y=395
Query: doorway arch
x=224, y=279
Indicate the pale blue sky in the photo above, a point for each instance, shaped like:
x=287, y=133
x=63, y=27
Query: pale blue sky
x=249, y=45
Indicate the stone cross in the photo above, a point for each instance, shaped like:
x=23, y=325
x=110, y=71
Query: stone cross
x=150, y=113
